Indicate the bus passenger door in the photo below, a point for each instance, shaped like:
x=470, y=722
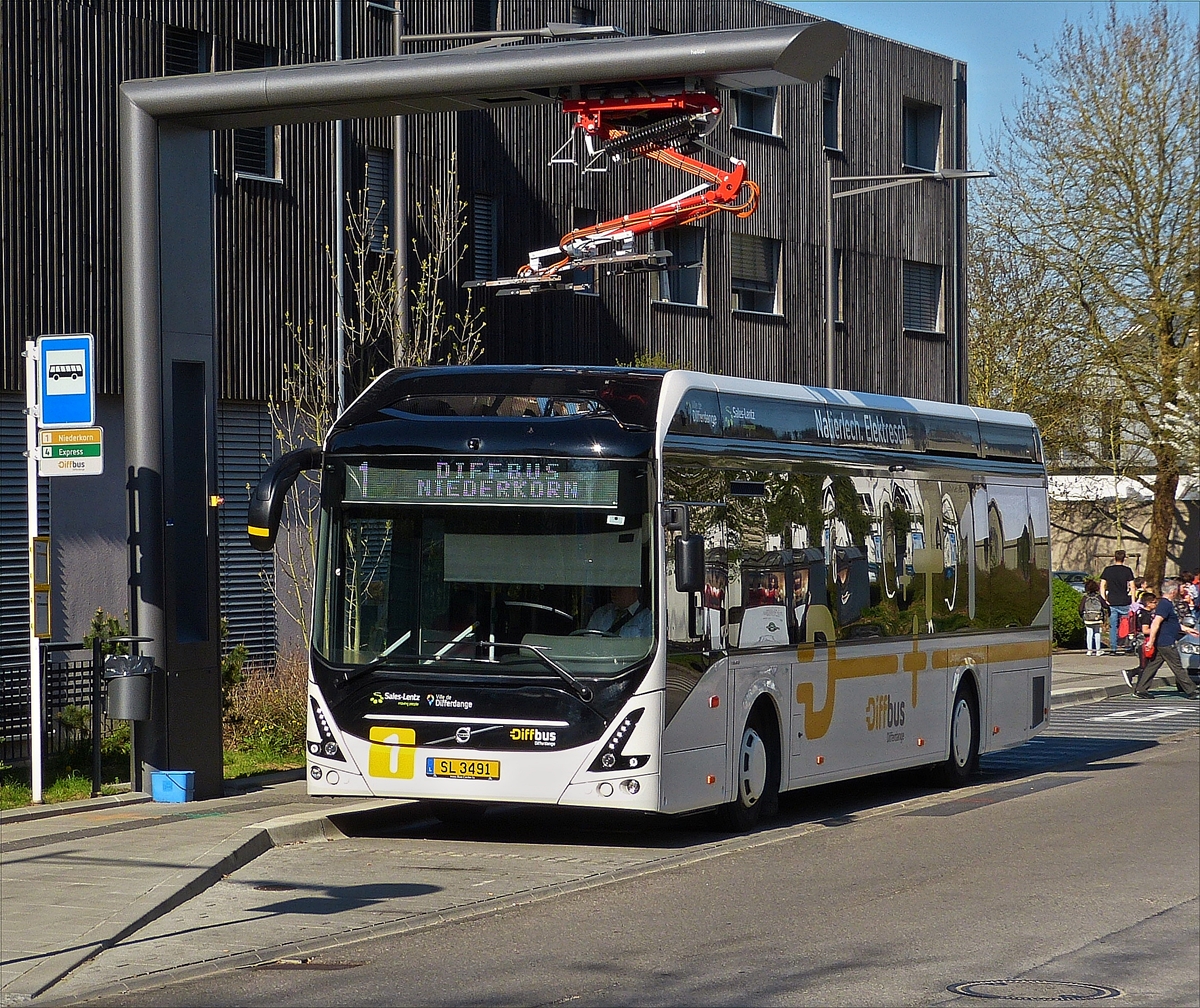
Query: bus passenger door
x=695, y=760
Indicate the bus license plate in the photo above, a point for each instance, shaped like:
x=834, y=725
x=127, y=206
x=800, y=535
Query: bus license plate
x=470, y=769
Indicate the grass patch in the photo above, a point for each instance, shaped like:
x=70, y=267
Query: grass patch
x=242, y=763
x=62, y=783
x=266, y=718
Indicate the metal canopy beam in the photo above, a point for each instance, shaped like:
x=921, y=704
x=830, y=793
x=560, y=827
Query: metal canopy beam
x=460, y=79
x=167, y=276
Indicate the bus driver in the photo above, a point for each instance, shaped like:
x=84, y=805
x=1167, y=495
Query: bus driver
x=624, y=616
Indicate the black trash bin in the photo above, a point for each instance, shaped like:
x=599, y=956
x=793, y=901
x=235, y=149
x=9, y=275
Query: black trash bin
x=128, y=679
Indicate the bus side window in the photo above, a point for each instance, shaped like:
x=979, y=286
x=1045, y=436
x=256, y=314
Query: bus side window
x=1039, y=575
x=952, y=590
x=847, y=528
x=1004, y=584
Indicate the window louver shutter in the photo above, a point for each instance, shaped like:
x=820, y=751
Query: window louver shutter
x=14, y=544
x=245, y=449
x=483, y=226
x=922, y=296
x=183, y=52
x=751, y=259
x=379, y=197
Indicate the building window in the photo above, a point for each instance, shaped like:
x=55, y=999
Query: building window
x=483, y=237
x=184, y=52
x=379, y=198
x=756, y=109
x=831, y=113
x=922, y=135
x=683, y=281
x=483, y=15
x=582, y=15
x=255, y=148
x=755, y=268
x=922, y=297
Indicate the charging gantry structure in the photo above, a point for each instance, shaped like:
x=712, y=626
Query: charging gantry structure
x=168, y=258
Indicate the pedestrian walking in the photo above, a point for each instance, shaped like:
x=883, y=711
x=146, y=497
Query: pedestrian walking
x=1141, y=615
x=1165, y=632
x=1114, y=589
x=1093, y=610
x=1189, y=585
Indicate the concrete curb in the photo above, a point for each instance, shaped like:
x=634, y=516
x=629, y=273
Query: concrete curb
x=1089, y=694
x=33, y=812
x=305, y=827
x=244, y=785
x=233, y=788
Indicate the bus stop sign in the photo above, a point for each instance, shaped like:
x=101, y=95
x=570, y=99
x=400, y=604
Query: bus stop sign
x=66, y=381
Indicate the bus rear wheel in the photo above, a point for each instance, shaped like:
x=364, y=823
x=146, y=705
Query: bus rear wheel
x=962, y=762
x=755, y=776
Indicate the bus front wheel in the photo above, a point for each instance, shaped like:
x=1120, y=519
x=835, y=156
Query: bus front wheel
x=755, y=776
x=962, y=762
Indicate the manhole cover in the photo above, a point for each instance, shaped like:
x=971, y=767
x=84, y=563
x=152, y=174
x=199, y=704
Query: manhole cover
x=1034, y=990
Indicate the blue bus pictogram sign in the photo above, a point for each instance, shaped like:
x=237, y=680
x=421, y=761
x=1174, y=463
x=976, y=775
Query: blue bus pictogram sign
x=66, y=381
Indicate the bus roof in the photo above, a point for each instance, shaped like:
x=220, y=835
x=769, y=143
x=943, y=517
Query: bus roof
x=680, y=403
x=695, y=404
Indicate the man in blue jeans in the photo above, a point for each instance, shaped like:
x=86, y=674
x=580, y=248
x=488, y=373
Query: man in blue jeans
x=1115, y=580
x=1165, y=632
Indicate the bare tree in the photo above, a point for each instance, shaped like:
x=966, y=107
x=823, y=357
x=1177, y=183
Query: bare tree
x=1097, y=205
x=375, y=329
x=302, y=415
x=375, y=339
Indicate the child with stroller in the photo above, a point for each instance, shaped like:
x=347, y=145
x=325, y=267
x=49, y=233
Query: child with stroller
x=1140, y=617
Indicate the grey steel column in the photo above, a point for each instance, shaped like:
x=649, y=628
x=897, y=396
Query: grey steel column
x=143, y=391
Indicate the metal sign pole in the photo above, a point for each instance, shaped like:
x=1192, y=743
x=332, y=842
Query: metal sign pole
x=97, y=722
x=35, y=663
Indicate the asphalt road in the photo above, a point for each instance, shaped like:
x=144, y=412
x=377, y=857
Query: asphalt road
x=1070, y=879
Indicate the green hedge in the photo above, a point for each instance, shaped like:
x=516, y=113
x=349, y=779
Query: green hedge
x=1068, y=624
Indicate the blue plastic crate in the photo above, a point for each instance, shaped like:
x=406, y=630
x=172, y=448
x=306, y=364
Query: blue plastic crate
x=172, y=785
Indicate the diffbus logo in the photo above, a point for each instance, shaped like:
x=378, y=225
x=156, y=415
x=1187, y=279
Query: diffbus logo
x=534, y=735
x=884, y=712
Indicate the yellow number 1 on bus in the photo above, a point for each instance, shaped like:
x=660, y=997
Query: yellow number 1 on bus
x=392, y=752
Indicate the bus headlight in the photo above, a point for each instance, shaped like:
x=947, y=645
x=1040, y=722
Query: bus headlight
x=632, y=786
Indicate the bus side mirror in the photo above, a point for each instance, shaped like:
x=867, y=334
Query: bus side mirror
x=266, y=503
x=689, y=563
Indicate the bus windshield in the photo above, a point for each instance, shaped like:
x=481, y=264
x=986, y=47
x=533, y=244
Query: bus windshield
x=430, y=566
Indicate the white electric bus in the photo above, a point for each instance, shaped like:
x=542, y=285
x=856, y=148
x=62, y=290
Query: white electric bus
x=664, y=591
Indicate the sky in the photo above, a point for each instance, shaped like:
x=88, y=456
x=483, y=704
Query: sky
x=988, y=34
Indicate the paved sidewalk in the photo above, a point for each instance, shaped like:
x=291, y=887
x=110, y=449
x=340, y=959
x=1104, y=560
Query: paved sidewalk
x=79, y=877
x=76, y=883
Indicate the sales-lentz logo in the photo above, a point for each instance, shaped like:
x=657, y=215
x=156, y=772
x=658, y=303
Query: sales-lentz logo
x=399, y=699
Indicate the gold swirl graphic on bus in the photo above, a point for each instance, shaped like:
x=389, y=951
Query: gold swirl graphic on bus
x=914, y=662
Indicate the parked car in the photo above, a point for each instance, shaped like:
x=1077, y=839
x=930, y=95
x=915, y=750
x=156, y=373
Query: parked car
x=1074, y=578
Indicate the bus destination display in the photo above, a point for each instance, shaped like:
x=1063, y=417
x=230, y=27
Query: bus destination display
x=498, y=481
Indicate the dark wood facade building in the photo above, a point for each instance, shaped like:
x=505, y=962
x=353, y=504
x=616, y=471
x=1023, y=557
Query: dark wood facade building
x=749, y=302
